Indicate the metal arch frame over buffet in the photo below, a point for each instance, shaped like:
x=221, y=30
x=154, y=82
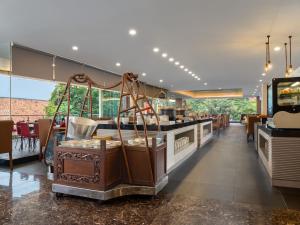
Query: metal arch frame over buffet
x=130, y=86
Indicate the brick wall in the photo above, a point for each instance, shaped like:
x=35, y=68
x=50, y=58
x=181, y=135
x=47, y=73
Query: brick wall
x=22, y=109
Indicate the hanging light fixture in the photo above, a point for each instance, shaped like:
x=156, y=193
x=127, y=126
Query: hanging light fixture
x=269, y=57
x=290, y=69
x=266, y=64
x=286, y=60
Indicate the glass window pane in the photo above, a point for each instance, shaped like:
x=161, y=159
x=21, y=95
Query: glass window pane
x=4, y=97
x=110, y=103
x=232, y=106
x=77, y=97
x=29, y=98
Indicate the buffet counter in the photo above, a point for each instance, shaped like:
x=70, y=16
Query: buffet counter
x=153, y=127
x=279, y=151
x=183, y=139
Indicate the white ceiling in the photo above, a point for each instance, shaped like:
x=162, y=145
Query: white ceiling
x=222, y=41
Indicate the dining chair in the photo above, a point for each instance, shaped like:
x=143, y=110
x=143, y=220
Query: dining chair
x=19, y=137
x=26, y=134
x=6, y=129
x=217, y=124
x=35, y=133
x=250, y=125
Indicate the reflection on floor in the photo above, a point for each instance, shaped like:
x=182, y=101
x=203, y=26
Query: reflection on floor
x=223, y=183
x=30, y=152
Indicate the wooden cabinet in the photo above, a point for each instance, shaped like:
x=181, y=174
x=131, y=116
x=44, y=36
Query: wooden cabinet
x=98, y=169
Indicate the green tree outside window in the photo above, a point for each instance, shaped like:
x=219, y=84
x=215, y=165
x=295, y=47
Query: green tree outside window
x=232, y=106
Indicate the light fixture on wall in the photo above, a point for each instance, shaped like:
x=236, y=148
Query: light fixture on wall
x=290, y=69
x=268, y=64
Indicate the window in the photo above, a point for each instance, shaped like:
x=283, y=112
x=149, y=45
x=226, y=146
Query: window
x=232, y=106
x=4, y=97
x=29, y=98
x=110, y=103
x=77, y=96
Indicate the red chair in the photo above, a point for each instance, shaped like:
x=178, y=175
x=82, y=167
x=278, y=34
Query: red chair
x=35, y=133
x=19, y=136
x=26, y=134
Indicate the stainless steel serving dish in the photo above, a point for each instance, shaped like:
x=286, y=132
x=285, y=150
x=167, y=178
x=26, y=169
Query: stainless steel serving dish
x=81, y=128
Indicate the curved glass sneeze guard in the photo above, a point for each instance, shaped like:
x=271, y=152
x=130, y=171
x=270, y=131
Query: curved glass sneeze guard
x=5, y=56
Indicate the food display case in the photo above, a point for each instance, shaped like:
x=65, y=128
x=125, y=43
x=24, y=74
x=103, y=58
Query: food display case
x=284, y=95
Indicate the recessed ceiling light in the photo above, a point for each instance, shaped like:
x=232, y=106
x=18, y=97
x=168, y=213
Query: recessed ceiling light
x=277, y=48
x=186, y=69
x=74, y=48
x=160, y=81
x=164, y=55
x=171, y=59
x=260, y=80
x=118, y=64
x=144, y=74
x=219, y=88
x=205, y=83
x=190, y=72
x=198, y=78
x=263, y=74
x=182, y=67
x=132, y=32
x=176, y=63
x=155, y=49
x=193, y=75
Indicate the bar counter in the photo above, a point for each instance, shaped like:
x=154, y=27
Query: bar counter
x=279, y=152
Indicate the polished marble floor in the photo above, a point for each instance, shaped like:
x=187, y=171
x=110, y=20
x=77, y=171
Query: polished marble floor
x=21, y=152
x=223, y=183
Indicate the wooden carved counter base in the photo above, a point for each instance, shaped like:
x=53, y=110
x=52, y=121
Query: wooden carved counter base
x=65, y=156
x=100, y=173
x=97, y=169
